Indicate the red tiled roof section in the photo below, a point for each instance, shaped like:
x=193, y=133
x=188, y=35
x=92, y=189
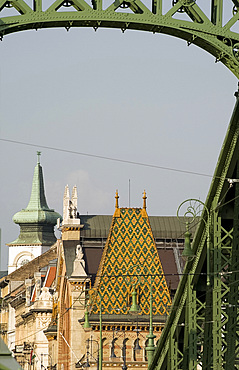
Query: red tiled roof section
x=51, y=276
x=49, y=280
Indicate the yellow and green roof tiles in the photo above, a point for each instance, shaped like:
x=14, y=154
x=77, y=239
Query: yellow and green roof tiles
x=131, y=259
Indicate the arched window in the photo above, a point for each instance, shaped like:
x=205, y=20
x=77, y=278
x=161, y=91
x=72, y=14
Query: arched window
x=112, y=349
x=136, y=350
x=105, y=349
x=22, y=258
x=124, y=352
x=145, y=352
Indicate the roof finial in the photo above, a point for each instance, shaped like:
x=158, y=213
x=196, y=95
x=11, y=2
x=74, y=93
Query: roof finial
x=116, y=199
x=144, y=200
x=38, y=157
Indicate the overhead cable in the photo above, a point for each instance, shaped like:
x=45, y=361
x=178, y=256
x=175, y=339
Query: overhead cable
x=109, y=158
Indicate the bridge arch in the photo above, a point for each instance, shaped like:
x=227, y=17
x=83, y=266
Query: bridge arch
x=207, y=31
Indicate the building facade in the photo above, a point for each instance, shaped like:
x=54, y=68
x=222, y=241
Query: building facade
x=26, y=299
x=101, y=265
x=103, y=260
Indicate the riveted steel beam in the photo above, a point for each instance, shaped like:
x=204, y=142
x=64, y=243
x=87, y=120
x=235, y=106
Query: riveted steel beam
x=202, y=29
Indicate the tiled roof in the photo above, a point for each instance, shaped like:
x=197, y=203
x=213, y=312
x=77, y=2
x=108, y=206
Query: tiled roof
x=129, y=260
x=163, y=227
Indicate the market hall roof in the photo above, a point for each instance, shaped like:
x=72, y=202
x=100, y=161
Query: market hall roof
x=130, y=261
x=163, y=227
x=168, y=232
x=37, y=220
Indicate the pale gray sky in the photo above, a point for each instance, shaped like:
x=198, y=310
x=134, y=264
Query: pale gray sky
x=135, y=96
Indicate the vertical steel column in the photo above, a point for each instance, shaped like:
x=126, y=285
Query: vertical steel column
x=216, y=12
x=37, y=5
x=172, y=351
x=157, y=7
x=217, y=292
x=190, y=338
x=207, y=339
x=191, y=326
x=232, y=328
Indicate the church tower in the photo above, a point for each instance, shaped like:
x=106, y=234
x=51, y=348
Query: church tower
x=36, y=223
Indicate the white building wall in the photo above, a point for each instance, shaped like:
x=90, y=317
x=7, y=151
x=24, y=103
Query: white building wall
x=11, y=328
x=19, y=254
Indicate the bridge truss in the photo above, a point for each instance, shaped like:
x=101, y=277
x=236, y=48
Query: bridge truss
x=207, y=28
x=202, y=331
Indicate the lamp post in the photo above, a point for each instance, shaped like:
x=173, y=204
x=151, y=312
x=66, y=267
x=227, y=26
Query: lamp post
x=151, y=347
x=135, y=309
x=192, y=212
x=87, y=326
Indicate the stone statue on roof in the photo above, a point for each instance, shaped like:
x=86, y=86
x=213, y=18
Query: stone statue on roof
x=80, y=255
x=79, y=263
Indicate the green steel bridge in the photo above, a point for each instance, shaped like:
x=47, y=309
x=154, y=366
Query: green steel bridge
x=209, y=29
x=202, y=331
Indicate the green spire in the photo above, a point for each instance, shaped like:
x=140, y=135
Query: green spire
x=38, y=199
x=37, y=220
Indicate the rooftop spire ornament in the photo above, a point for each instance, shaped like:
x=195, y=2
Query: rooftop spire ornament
x=116, y=199
x=144, y=200
x=38, y=156
x=117, y=210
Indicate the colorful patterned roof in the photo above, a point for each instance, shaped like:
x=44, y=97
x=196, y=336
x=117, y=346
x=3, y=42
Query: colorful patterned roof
x=130, y=259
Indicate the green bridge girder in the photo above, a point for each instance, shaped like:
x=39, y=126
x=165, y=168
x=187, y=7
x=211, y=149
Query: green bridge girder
x=202, y=330
x=208, y=31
